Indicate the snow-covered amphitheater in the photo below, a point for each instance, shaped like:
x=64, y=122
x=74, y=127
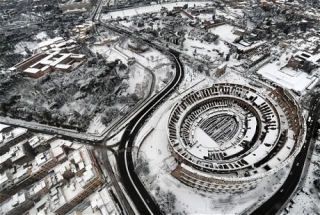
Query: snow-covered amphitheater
x=228, y=137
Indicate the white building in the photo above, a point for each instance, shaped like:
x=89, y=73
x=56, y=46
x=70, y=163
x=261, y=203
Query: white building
x=76, y=5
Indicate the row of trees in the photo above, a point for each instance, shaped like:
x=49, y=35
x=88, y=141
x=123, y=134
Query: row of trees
x=316, y=182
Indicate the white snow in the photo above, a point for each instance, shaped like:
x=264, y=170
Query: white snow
x=306, y=200
x=19, y=47
x=148, y=9
x=225, y=32
x=41, y=36
x=189, y=200
x=204, y=139
x=288, y=78
x=152, y=145
x=96, y=126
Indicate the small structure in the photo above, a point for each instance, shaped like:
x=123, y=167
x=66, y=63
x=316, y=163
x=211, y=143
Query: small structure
x=221, y=70
x=171, y=37
x=84, y=30
x=76, y=5
x=107, y=41
x=137, y=47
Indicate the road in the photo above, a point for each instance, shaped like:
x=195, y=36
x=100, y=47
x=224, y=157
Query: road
x=278, y=200
x=102, y=153
x=145, y=203
x=142, y=199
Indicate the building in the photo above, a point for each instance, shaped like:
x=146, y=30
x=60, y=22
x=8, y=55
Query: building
x=41, y=143
x=18, y=177
x=11, y=136
x=108, y=4
x=305, y=56
x=228, y=137
x=99, y=203
x=17, y=204
x=55, y=54
x=221, y=70
x=18, y=154
x=42, y=187
x=21, y=153
x=103, y=203
x=107, y=41
x=82, y=178
x=87, y=178
x=137, y=47
x=83, y=31
x=184, y=12
x=72, y=5
x=5, y=162
x=171, y=37
x=46, y=161
x=5, y=180
x=15, y=179
x=40, y=64
x=59, y=44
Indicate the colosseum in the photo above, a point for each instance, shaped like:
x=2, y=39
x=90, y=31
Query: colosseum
x=228, y=137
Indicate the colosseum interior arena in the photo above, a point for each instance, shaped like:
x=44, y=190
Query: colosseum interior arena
x=228, y=137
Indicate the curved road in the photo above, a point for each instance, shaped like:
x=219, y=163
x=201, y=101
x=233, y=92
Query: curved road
x=278, y=200
x=142, y=200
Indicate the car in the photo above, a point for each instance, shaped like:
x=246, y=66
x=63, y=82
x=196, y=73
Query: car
x=309, y=119
x=297, y=164
x=281, y=190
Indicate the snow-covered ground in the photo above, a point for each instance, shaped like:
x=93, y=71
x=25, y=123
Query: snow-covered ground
x=96, y=126
x=204, y=48
x=19, y=48
x=191, y=201
x=31, y=45
x=286, y=77
x=306, y=201
x=138, y=75
x=225, y=32
x=152, y=145
x=138, y=78
x=42, y=36
x=151, y=60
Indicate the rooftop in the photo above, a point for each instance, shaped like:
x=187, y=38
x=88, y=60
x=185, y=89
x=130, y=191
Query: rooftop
x=13, y=202
x=7, y=136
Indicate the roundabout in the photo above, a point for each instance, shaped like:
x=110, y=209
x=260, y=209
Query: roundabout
x=227, y=137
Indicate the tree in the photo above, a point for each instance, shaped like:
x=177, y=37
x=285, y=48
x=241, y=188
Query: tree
x=308, y=66
x=134, y=98
x=122, y=99
x=122, y=66
x=217, y=41
x=167, y=202
x=200, y=68
x=101, y=62
x=227, y=57
x=109, y=100
x=316, y=183
x=109, y=115
x=124, y=86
